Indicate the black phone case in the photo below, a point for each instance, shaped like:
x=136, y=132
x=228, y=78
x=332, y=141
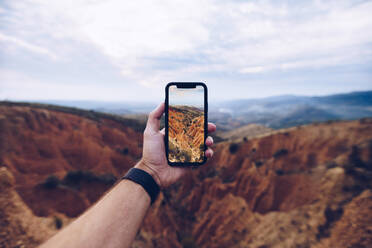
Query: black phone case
x=166, y=138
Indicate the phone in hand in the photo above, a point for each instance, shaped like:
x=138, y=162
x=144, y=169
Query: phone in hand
x=186, y=123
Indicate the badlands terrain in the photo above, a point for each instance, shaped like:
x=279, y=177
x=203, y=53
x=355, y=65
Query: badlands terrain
x=186, y=134
x=306, y=186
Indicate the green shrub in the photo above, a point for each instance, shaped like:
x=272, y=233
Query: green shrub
x=187, y=155
x=331, y=164
x=75, y=178
x=123, y=151
x=354, y=157
x=51, y=182
x=258, y=163
x=366, y=120
x=107, y=178
x=227, y=175
x=58, y=222
x=210, y=172
x=233, y=148
x=188, y=242
x=331, y=216
x=280, y=153
x=172, y=146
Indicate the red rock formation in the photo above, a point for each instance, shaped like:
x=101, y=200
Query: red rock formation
x=354, y=228
x=36, y=143
x=287, y=189
x=308, y=186
x=244, y=132
x=18, y=226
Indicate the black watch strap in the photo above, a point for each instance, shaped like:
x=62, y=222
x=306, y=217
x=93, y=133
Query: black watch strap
x=145, y=180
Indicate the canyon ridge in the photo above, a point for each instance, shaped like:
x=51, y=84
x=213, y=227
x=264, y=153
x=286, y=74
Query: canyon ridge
x=305, y=186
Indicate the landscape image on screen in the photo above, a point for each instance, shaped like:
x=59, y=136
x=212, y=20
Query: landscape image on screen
x=186, y=124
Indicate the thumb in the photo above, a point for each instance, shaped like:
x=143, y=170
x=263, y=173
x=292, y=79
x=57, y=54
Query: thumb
x=153, y=122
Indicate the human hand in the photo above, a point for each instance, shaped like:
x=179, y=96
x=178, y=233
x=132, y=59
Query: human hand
x=154, y=160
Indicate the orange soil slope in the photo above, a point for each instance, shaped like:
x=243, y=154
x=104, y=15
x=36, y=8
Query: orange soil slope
x=288, y=189
x=18, y=226
x=36, y=143
x=308, y=186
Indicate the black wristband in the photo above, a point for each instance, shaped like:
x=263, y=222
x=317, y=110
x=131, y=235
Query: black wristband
x=145, y=180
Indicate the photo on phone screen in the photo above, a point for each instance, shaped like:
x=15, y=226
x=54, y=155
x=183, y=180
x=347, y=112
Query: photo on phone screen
x=186, y=116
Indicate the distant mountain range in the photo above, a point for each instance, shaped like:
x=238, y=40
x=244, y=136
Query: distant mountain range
x=274, y=112
x=286, y=111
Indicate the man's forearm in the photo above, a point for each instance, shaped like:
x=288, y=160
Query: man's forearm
x=112, y=222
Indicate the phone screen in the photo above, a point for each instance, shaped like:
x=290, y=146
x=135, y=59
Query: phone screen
x=186, y=123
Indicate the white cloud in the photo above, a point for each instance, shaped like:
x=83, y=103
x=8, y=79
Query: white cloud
x=128, y=31
x=125, y=31
x=295, y=35
x=19, y=86
x=141, y=37
x=253, y=69
x=25, y=45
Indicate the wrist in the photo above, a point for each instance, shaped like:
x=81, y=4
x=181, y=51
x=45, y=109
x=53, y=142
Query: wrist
x=144, y=179
x=146, y=167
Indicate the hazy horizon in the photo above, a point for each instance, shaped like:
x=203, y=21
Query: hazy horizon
x=162, y=99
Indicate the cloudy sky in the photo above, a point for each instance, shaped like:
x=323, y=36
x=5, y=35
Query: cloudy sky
x=116, y=50
x=193, y=97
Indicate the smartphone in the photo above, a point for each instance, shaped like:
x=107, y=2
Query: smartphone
x=186, y=123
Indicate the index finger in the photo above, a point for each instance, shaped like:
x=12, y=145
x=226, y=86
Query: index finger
x=211, y=127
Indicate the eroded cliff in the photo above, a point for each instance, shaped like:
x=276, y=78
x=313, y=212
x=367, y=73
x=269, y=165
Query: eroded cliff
x=186, y=134
x=308, y=186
